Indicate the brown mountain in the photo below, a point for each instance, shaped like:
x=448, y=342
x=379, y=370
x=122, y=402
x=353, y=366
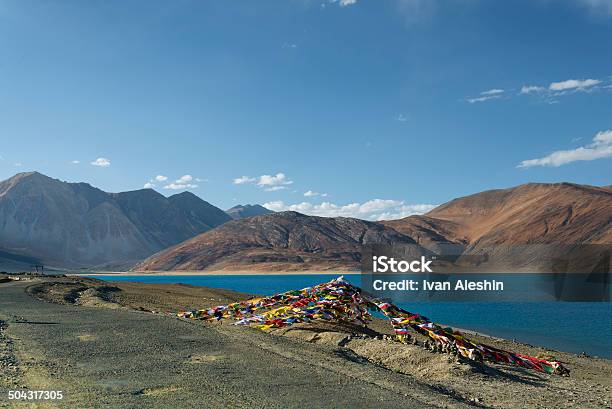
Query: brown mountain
x=75, y=224
x=521, y=222
x=276, y=242
x=526, y=214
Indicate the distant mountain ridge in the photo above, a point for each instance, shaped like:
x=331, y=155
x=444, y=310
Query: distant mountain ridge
x=241, y=211
x=78, y=225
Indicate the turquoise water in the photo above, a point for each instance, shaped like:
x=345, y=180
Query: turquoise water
x=566, y=326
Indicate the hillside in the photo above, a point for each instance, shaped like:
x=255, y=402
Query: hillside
x=279, y=242
x=525, y=225
x=534, y=213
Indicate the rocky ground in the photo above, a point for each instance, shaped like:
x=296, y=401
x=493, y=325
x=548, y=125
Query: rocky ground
x=93, y=338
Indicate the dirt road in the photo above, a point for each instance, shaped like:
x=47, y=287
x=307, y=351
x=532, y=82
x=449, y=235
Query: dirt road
x=102, y=357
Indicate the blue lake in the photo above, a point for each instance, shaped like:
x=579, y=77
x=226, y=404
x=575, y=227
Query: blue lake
x=566, y=326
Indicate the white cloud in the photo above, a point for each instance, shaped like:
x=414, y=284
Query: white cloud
x=405, y=211
x=482, y=99
x=273, y=180
x=311, y=193
x=180, y=186
x=546, y=93
x=601, y=147
x=494, y=91
x=528, y=89
x=243, y=180
x=182, y=183
x=269, y=183
x=101, y=162
x=344, y=3
x=573, y=84
x=18, y=164
x=402, y=118
x=603, y=138
x=75, y=162
x=376, y=209
x=487, y=95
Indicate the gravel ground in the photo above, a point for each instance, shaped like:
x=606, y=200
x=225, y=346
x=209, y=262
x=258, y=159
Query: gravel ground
x=101, y=344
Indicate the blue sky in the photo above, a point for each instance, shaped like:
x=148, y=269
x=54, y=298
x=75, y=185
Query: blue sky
x=364, y=108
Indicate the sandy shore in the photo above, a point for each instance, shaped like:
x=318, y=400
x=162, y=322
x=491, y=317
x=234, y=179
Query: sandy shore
x=109, y=332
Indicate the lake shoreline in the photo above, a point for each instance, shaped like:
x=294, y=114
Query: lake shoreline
x=210, y=273
x=543, y=326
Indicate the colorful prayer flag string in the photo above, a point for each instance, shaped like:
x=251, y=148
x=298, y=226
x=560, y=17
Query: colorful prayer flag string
x=341, y=301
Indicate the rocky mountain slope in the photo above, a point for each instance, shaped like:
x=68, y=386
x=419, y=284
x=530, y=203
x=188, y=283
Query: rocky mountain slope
x=518, y=225
x=526, y=214
x=77, y=225
x=276, y=242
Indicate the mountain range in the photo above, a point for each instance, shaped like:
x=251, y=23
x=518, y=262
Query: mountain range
x=525, y=221
x=75, y=225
